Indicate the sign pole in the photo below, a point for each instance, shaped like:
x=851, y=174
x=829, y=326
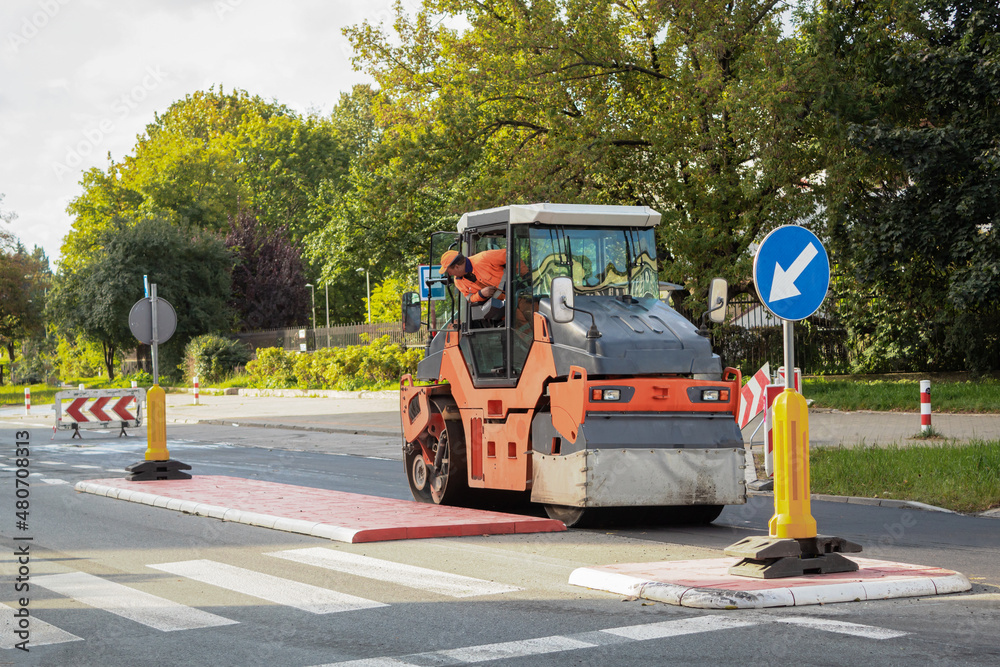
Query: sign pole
x=156, y=339
x=789, y=331
x=151, y=326
x=791, y=272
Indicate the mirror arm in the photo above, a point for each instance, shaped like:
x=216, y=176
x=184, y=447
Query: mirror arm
x=592, y=332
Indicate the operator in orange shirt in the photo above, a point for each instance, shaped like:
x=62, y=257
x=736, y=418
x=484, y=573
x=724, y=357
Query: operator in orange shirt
x=476, y=277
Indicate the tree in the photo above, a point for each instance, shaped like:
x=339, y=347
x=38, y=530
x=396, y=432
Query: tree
x=190, y=267
x=697, y=109
x=916, y=200
x=268, y=282
x=24, y=280
x=203, y=159
x=386, y=299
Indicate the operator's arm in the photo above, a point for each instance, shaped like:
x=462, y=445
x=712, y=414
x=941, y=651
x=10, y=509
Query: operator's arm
x=489, y=269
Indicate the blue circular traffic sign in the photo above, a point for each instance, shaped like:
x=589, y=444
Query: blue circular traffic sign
x=791, y=271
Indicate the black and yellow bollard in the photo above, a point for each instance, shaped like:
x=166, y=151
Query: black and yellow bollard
x=158, y=464
x=793, y=548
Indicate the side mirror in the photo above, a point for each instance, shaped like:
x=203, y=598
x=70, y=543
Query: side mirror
x=411, y=312
x=718, y=297
x=562, y=299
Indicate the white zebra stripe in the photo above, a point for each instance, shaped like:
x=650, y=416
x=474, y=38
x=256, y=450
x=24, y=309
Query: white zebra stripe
x=281, y=591
x=445, y=583
x=135, y=605
x=41, y=633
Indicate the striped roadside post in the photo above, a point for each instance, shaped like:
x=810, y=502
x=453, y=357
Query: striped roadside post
x=196, y=390
x=925, y=406
x=27, y=401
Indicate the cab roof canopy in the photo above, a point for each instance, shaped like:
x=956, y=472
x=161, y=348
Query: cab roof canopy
x=592, y=215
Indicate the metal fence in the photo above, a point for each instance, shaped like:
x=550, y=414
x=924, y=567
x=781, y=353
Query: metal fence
x=752, y=336
x=297, y=339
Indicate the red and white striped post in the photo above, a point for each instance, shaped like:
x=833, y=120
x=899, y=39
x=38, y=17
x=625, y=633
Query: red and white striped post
x=925, y=406
x=196, y=390
x=27, y=401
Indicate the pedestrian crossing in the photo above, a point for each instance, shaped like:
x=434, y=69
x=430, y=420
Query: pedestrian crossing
x=166, y=615
x=218, y=580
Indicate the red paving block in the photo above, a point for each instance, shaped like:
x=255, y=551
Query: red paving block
x=357, y=517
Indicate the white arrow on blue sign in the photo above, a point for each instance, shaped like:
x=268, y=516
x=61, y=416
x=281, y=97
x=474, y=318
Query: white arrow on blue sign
x=791, y=271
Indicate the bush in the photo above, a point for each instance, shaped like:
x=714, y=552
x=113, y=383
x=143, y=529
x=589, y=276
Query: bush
x=272, y=369
x=213, y=358
x=373, y=366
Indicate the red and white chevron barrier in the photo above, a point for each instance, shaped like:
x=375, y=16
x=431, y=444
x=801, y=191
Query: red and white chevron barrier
x=99, y=408
x=752, y=395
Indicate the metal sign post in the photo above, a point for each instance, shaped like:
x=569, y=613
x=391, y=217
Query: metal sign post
x=153, y=321
x=792, y=274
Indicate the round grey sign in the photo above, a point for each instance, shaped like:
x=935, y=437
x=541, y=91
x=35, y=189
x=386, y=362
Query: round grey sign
x=140, y=320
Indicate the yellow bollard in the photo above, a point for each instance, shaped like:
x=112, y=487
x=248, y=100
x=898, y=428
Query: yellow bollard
x=156, y=424
x=792, y=516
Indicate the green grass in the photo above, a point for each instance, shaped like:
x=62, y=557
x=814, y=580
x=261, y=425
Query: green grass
x=902, y=395
x=964, y=478
x=41, y=394
x=14, y=394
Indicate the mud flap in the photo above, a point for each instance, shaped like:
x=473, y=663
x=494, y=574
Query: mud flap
x=568, y=400
x=415, y=409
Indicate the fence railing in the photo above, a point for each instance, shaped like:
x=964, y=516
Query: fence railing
x=339, y=336
x=751, y=336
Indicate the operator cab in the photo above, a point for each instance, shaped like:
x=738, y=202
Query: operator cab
x=605, y=250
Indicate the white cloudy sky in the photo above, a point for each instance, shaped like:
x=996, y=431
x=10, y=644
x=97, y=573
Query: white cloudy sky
x=81, y=78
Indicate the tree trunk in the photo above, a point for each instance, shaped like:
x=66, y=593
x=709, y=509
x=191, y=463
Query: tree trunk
x=109, y=360
x=10, y=355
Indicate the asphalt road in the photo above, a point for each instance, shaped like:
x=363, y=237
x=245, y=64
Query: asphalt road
x=277, y=611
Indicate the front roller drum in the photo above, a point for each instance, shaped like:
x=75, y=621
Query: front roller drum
x=435, y=461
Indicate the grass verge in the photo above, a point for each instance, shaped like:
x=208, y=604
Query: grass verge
x=964, y=478
x=902, y=395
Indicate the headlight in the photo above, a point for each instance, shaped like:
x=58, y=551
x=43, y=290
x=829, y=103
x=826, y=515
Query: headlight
x=606, y=395
x=715, y=395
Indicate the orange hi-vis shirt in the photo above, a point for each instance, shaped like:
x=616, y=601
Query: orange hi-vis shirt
x=488, y=267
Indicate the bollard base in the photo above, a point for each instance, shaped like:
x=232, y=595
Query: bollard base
x=774, y=558
x=148, y=471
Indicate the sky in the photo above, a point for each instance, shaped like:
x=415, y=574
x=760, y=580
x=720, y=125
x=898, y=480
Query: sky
x=80, y=79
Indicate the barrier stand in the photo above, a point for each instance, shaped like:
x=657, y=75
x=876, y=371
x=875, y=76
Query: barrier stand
x=792, y=548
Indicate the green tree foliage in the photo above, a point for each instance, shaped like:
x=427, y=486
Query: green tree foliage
x=24, y=281
x=697, y=109
x=268, y=282
x=212, y=358
x=191, y=270
x=387, y=303
x=206, y=157
x=916, y=200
